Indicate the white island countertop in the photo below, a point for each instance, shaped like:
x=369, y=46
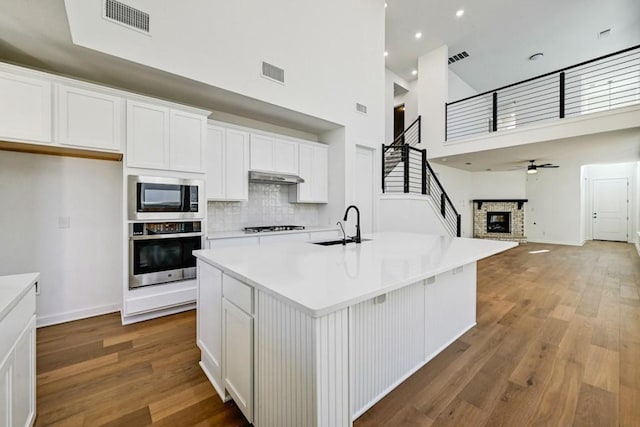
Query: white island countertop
x=322, y=279
x=13, y=288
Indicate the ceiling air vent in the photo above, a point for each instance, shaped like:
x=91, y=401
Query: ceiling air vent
x=126, y=15
x=457, y=57
x=360, y=108
x=272, y=72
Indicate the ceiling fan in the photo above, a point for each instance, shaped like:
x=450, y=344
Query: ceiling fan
x=533, y=168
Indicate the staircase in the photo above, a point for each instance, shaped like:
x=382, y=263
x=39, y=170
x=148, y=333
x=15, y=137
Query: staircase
x=406, y=170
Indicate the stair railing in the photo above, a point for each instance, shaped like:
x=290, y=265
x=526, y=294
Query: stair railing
x=405, y=169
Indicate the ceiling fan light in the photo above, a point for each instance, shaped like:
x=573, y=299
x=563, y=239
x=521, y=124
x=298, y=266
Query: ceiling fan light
x=531, y=169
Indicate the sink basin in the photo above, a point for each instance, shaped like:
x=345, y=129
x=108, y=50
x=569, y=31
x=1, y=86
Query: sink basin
x=336, y=242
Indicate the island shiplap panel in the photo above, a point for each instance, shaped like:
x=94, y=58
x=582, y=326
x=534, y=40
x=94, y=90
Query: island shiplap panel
x=291, y=390
x=387, y=342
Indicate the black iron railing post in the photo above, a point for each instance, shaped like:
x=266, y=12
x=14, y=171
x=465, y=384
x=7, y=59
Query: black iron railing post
x=458, y=225
x=424, y=171
x=405, y=159
x=562, y=95
x=442, y=203
x=494, y=126
x=446, y=113
x=419, y=129
x=384, y=172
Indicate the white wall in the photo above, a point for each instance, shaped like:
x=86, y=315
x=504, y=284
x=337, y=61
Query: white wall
x=499, y=185
x=458, y=88
x=80, y=266
x=411, y=214
x=620, y=170
x=554, y=207
x=433, y=88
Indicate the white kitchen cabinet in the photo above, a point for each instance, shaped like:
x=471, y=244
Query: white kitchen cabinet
x=162, y=138
x=147, y=135
x=209, y=322
x=238, y=356
x=314, y=169
x=450, y=302
x=25, y=108
x=227, y=164
x=188, y=132
x=17, y=350
x=274, y=155
x=89, y=119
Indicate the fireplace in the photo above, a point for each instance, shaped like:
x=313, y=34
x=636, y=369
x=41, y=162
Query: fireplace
x=499, y=219
x=499, y=222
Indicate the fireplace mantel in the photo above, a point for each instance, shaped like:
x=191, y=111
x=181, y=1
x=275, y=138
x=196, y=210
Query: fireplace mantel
x=520, y=202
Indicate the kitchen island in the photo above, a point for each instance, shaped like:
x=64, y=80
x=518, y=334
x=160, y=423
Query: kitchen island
x=307, y=335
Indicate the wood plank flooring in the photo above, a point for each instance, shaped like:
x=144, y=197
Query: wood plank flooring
x=557, y=344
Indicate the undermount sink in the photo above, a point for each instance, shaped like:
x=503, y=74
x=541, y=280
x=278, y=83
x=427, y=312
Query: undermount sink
x=337, y=242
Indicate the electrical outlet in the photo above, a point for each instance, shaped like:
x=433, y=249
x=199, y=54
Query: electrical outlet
x=64, y=222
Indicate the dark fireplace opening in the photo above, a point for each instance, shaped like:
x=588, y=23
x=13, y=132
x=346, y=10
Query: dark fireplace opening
x=498, y=222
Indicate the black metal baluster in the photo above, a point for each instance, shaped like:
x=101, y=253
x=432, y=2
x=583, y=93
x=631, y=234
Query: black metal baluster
x=495, y=112
x=405, y=158
x=562, y=95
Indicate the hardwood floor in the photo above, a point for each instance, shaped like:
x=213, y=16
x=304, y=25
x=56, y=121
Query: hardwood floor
x=557, y=344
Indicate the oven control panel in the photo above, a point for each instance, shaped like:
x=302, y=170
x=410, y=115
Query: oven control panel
x=151, y=228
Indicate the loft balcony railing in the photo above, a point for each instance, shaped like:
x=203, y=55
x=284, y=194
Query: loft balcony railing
x=601, y=84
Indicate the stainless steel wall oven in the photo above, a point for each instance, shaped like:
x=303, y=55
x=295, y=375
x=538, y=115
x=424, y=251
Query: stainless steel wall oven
x=160, y=252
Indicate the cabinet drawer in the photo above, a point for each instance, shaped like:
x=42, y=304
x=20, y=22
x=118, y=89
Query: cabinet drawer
x=16, y=320
x=238, y=293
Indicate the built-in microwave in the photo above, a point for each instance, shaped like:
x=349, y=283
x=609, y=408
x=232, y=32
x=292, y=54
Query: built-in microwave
x=160, y=198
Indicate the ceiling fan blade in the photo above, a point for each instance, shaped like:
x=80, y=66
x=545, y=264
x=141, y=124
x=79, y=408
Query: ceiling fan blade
x=548, y=166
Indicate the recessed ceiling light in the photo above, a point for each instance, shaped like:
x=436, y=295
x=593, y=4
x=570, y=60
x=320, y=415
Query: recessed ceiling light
x=385, y=5
x=459, y=13
x=536, y=56
x=386, y=53
x=414, y=72
x=418, y=35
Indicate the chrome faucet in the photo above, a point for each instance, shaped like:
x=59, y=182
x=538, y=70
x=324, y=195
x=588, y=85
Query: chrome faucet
x=344, y=235
x=356, y=238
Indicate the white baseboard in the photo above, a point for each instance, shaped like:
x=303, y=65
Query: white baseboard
x=126, y=320
x=68, y=316
x=555, y=242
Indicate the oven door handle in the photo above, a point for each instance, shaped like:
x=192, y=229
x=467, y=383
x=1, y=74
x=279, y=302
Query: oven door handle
x=165, y=236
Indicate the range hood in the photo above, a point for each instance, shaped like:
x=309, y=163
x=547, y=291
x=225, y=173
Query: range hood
x=274, y=178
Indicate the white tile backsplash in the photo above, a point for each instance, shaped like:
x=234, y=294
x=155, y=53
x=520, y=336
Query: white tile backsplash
x=268, y=204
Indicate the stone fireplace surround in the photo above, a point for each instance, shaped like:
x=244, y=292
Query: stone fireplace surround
x=514, y=206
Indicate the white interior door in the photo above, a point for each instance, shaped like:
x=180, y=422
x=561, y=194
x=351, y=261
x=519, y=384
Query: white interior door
x=364, y=187
x=610, y=209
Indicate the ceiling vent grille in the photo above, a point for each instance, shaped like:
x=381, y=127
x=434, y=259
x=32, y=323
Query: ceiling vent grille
x=126, y=15
x=360, y=108
x=272, y=72
x=457, y=57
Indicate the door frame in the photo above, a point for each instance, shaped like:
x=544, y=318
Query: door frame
x=375, y=178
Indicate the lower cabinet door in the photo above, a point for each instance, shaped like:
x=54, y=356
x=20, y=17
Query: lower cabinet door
x=23, y=378
x=238, y=357
x=5, y=390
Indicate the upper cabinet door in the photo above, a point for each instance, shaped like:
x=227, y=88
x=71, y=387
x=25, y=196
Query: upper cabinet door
x=25, y=108
x=147, y=135
x=286, y=157
x=214, y=163
x=320, y=173
x=89, y=119
x=187, y=136
x=262, y=151
x=305, y=192
x=237, y=165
